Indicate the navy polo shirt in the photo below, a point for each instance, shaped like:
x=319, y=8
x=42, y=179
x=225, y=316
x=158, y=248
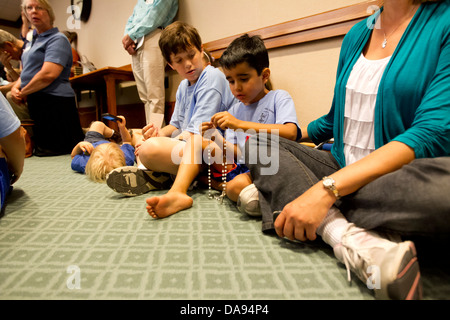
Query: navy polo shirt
x=49, y=46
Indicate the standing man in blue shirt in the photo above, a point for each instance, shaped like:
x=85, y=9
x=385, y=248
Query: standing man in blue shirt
x=141, y=38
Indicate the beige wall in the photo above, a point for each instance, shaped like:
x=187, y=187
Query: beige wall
x=14, y=31
x=306, y=71
x=217, y=19
x=100, y=38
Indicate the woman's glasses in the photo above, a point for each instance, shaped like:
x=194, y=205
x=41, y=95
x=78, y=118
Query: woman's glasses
x=37, y=8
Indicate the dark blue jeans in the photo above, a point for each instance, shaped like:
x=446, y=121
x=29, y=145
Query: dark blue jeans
x=5, y=182
x=412, y=201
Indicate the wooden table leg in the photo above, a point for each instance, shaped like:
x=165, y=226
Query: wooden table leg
x=111, y=94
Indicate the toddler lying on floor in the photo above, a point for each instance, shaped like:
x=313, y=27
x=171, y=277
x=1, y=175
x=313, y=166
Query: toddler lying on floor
x=97, y=155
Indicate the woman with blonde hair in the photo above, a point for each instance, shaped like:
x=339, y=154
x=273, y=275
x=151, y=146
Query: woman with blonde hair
x=44, y=83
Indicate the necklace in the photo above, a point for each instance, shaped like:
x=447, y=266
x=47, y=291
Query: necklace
x=384, y=43
x=224, y=172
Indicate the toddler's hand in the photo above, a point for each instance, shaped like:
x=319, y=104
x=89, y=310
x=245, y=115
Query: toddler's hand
x=86, y=147
x=122, y=123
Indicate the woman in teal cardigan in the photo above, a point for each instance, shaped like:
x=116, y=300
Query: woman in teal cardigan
x=413, y=101
x=389, y=167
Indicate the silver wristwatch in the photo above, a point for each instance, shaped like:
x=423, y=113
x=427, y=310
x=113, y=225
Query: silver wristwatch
x=329, y=184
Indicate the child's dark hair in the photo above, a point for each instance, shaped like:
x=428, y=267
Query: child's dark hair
x=178, y=37
x=246, y=49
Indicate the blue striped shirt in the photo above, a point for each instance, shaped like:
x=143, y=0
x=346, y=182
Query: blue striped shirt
x=148, y=15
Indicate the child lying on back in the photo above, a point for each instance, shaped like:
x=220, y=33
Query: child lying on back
x=97, y=155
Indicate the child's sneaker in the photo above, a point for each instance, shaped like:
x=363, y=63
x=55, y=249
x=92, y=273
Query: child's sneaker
x=389, y=268
x=132, y=181
x=248, y=201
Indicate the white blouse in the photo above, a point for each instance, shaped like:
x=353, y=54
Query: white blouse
x=361, y=96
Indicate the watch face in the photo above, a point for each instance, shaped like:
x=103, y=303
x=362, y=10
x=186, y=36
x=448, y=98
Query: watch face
x=328, y=182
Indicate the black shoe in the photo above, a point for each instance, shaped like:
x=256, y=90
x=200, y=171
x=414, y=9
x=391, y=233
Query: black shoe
x=41, y=152
x=132, y=181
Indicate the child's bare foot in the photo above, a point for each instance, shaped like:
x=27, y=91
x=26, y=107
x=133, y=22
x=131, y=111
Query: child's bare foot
x=168, y=204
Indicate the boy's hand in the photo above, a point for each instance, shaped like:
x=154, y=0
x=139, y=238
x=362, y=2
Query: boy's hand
x=137, y=147
x=150, y=131
x=206, y=126
x=225, y=120
x=210, y=132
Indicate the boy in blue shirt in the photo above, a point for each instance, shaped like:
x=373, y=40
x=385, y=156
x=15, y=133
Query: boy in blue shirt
x=246, y=67
x=203, y=93
x=12, y=150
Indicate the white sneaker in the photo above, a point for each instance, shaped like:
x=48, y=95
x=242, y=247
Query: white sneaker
x=248, y=201
x=389, y=268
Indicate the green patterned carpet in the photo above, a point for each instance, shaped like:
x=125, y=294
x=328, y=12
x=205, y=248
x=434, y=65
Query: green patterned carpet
x=63, y=237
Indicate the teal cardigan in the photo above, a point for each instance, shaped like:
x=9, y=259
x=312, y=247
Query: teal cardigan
x=413, y=102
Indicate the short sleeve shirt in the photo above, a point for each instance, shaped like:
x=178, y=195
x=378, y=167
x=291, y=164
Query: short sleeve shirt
x=9, y=122
x=198, y=103
x=50, y=46
x=276, y=107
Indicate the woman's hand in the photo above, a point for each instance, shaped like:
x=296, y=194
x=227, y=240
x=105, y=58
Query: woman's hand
x=17, y=95
x=25, y=20
x=300, y=219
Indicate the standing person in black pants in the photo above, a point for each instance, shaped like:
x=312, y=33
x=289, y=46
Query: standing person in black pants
x=44, y=84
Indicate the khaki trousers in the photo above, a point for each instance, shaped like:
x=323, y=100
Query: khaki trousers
x=149, y=72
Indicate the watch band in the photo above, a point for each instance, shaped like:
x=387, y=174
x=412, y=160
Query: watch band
x=329, y=183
